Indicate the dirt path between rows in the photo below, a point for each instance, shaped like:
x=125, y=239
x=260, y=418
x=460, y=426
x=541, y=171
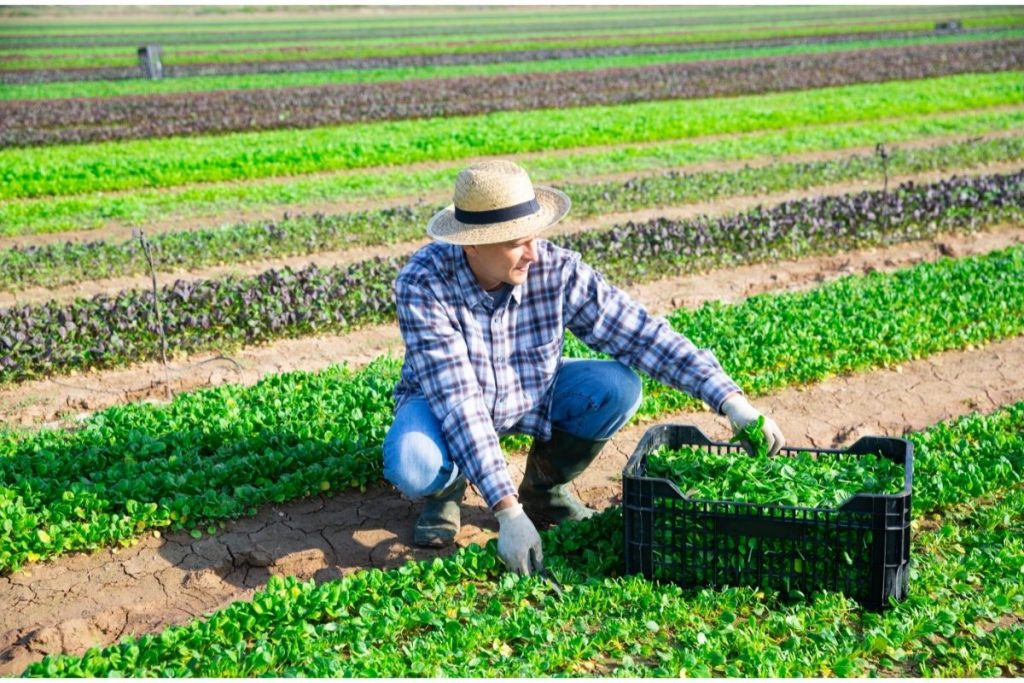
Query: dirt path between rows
x=122, y=231
x=82, y=600
x=713, y=208
x=64, y=400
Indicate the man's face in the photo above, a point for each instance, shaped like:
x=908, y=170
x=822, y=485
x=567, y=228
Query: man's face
x=505, y=262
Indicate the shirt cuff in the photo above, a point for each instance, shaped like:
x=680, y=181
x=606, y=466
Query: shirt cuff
x=496, y=486
x=715, y=390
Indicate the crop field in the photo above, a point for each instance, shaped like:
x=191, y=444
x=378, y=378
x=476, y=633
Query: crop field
x=199, y=340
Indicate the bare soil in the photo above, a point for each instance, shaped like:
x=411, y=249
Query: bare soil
x=64, y=400
x=78, y=601
x=122, y=231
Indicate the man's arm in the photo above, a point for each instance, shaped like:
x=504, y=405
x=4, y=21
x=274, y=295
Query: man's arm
x=608, y=320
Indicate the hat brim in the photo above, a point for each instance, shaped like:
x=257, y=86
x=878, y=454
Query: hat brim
x=554, y=205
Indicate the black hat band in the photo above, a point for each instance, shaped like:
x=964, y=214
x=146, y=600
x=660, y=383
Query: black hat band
x=497, y=215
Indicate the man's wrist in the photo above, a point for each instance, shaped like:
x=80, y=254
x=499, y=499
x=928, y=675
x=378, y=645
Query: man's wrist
x=506, y=515
x=738, y=409
x=505, y=503
x=729, y=397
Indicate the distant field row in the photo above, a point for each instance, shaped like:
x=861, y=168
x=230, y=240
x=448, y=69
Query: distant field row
x=142, y=207
x=201, y=54
x=98, y=43
x=165, y=116
x=60, y=264
x=615, y=26
x=304, y=66
x=114, y=166
x=496, y=19
x=230, y=41
x=636, y=56
x=406, y=18
x=227, y=312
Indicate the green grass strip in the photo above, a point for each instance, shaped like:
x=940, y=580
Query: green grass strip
x=453, y=19
x=320, y=78
x=204, y=54
x=464, y=616
x=471, y=27
x=235, y=40
x=77, y=169
x=220, y=453
x=475, y=26
x=71, y=262
x=479, y=39
x=463, y=19
x=38, y=216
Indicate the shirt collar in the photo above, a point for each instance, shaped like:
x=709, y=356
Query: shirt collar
x=472, y=293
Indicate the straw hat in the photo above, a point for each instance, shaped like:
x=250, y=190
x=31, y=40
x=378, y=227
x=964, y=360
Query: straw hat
x=496, y=202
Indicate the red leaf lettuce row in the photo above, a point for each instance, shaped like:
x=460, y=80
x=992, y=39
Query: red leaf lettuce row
x=40, y=340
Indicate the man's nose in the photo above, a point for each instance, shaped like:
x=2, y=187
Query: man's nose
x=530, y=253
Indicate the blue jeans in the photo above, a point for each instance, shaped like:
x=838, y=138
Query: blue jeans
x=592, y=399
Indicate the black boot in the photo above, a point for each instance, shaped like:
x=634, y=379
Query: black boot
x=441, y=518
x=550, y=466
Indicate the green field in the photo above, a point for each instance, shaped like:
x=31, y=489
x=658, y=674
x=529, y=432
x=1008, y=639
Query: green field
x=79, y=169
x=753, y=29
x=106, y=449
x=320, y=78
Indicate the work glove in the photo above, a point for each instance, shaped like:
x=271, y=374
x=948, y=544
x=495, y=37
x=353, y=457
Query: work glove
x=518, y=541
x=740, y=413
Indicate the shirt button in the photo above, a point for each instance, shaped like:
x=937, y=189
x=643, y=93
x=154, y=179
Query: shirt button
x=501, y=359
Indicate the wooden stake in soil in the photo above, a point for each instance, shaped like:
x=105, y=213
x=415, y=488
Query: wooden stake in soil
x=156, y=304
x=884, y=156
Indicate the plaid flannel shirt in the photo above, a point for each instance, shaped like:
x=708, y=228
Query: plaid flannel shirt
x=487, y=373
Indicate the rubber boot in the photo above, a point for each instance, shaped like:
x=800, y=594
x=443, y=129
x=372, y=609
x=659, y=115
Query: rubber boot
x=441, y=517
x=550, y=466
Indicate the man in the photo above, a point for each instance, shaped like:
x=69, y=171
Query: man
x=483, y=311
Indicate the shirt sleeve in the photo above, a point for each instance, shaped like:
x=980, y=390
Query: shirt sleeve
x=606, y=319
x=440, y=361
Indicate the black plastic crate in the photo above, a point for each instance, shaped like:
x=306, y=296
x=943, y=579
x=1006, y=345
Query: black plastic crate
x=861, y=548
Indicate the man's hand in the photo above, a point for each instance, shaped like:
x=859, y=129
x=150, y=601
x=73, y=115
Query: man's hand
x=518, y=541
x=740, y=413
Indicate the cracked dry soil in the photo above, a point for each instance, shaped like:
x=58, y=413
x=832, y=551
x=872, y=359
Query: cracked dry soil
x=80, y=600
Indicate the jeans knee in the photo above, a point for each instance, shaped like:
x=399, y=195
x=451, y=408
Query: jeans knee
x=413, y=464
x=625, y=390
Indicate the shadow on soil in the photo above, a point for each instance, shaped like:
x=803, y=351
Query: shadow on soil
x=323, y=538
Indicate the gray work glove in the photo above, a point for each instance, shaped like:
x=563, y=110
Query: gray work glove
x=518, y=541
x=740, y=413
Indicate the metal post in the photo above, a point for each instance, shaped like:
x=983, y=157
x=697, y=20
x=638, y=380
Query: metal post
x=149, y=61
